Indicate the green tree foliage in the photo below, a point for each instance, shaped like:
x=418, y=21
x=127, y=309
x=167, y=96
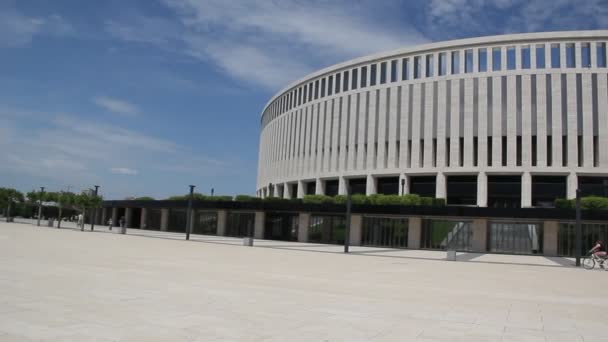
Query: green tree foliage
x=317, y=199
x=144, y=198
x=8, y=196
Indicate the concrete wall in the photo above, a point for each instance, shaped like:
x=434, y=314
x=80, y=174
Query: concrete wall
x=414, y=231
x=258, y=227
x=550, y=234
x=303, y=225
x=356, y=229
x=221, y=222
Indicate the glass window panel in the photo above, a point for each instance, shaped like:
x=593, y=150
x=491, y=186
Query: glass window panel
x=496, y=59
x=405, y=69
x=540, y=56
x=394, y=70
x=429, y=65
x=443, y=66
x=382, y=72
x=316, y=89
x=417, y=65
x=555, y=57
x=570, y=56
x=323, y=87
x=525, y=57
x=511, y=58
x=468, y=61
x=372, y=76
x=345, y=82
x=601, y=54
x=483, y=60
x=586, y=55
x=455, y=62
x=330, y=84
x=338, y=80
x=354, y=72
x=364, y=77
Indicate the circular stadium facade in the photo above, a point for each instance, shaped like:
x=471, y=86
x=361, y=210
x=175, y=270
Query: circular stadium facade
x=502, y=121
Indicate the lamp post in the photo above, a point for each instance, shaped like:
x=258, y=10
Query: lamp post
x=348, y=210
x=189, y=212
x=94, y=210
x=40, y=204
x=211, y=192
x=578, y=233
x=402, y=186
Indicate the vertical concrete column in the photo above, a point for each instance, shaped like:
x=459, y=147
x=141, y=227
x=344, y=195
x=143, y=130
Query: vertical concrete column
x=258, y=227
x=480, y=235
x=405, y=189
x=301, y=190
x=414, y=232
x=342, y=185
x=441, y=189
x=143, y=221
x=370, y=185
x=356, y=229
x=550, y=232
x=164, y=219
x=572, y=185
x=128, y=217
x=221, y=222
x=526, y=190
x=482, y=189
x=287, y=191
x=303, y=225
x=115, y=216
x=319, y=187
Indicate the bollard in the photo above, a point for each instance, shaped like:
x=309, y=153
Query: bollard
x=451, y=255
x=248, y=241
x=123, y=229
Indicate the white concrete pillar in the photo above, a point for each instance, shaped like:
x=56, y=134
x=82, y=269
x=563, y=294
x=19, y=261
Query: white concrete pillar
x=301, y=190
x=572, y=185
x=526, y=190
x=303, y=226
x=258, y=227
x=319, y=187
x=128, y=217
x=370, y=185
x=405, y=188
x=356, y=229
x=482, y=189
x=164, y=219
x=287, y=191
x=414, y=232
x=143, y=222
x=221, y=222
x=550, y=232
x=480, y=235
x=441, y=186
x=342, y=185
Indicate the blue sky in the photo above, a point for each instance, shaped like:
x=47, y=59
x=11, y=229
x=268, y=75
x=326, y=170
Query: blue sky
x=146, y=97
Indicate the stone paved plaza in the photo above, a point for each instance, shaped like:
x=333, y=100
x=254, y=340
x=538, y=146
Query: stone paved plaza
x=67, y=285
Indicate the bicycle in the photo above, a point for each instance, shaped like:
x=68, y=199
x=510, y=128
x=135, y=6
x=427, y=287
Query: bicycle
x=591, y=259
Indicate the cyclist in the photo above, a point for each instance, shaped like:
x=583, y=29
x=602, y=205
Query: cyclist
x=599, y=251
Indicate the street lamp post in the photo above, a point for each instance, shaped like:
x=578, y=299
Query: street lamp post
x=348, y=210
x=40, y=204
x=189, y=212
x=211, y=192
x=402, y=186
x=578, y=233
x=94, y=210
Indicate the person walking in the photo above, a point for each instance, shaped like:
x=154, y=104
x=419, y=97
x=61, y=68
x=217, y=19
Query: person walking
x=110, y=223
x=122, y=222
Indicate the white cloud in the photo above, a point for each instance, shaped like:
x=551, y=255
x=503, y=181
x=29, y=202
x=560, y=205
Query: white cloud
x=17, y=29
x=124, y=171
x=116, y=106
x=267, y=42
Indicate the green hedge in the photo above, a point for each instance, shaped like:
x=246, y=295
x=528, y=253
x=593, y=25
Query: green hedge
x=247, y=198
x=317, y=199
x=589, y=202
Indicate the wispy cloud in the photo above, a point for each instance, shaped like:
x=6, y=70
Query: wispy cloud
x=116, y=106
x=17, y=29
x=268, y=43
x=124, y=171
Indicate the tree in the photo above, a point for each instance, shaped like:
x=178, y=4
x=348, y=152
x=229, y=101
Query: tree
x=7, y=197
x=62, y=200
x=85, y=201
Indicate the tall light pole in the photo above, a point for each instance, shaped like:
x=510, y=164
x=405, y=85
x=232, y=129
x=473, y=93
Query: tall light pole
x=40, y=204
x=211, y=192
x=348, y=210
x=402, y=186
x=94, y=210
x=578, y=241
x=189, y=212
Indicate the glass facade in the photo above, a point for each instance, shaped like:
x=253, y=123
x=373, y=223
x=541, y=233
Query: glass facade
x=177, y=220
x=239, y=224
x=205, y=222
x=327, y=229
x=441, y=234
x=281, y=226
x=385, y=232
x=515, y=238
x=566, y=237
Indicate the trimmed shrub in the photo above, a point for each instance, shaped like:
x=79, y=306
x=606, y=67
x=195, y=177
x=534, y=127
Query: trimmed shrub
x=340, y=199
x=410, y=199
x=317, y=199
x=389, y=200
x=563, y=203
x=221, y=198
x=295, y=200
x=375, y=199
x=426, y=201
x=439, y=202
x=246, y=198
x=275, y=199
x=359, y=199
x=594, y=202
